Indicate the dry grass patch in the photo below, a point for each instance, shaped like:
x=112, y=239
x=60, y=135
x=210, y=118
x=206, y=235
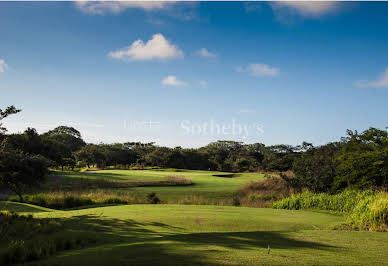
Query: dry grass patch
x=263, y=193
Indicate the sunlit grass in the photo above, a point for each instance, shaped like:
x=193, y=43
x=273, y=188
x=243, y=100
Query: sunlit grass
x=214, y=235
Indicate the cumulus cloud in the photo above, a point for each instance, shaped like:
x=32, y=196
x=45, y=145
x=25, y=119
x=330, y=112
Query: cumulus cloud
x=205, y=53
x=103, y=7
x=3, y=65
x=173, y=81
x=260, y=70
x=156, y=48
x=381, y=82
x=305, y=8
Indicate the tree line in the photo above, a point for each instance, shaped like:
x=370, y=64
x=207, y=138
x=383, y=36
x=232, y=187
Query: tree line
x=357, y=160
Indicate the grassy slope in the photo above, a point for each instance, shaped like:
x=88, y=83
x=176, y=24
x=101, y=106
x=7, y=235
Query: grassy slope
x=205, y=183
x=213, y=235
x=203, y=180
x=22, y=207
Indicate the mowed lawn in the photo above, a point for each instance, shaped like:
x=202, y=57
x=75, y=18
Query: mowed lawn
x=214, y=235
x=207, y=184
x=210, y=181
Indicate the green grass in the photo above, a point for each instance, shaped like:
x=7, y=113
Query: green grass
x=21, y=207
x=169, y=234
x=215, y=235
x=204, y=181
x=207, y=188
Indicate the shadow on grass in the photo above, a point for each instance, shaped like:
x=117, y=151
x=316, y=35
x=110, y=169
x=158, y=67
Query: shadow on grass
x=227, y=175
x=20, y=207
x=128, y=242
x=75, y=175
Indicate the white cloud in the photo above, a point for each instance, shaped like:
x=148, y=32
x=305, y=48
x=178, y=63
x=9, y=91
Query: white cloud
x=203, y=83
x=3, y=66
x=181, y=10
x=173, y=81
x=103, y=7
x=156, y=48
x=260, y=70
x=305, y=8
x=381, y=82
x=205, y=53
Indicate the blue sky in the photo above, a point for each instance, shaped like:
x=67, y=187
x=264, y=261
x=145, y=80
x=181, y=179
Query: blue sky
x=190, y=73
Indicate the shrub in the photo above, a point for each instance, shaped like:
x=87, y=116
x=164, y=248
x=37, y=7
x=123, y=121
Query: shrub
x=263, y=193
x=152, y=198
x=31, y=239
x=371, y=212
x=114, y=200
x=73, y=199
x=270, y=185
x=367, y=209
x=71, y=202
x=236, y=201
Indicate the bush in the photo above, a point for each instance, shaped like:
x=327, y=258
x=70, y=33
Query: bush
x=31, y=239
x=114, y=200
x=367, y=209
x=236, y=201
x=263, y=193
x=72, y=202
x=152, y=198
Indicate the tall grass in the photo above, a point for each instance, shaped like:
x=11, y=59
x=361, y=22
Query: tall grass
x=263, y=193
x=366, y=209
x=87, y=192
x=25, y=238
x=178, y=180
x=71, y=199
x=84, y=183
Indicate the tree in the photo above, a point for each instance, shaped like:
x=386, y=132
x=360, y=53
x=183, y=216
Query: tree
x=140, y=150
x=30, y=142
x=60, y=144
x=315, y=168
x=68, y=136
x=219, y=152
x=69, y=162
x=118, y=154
x=19, y=171
x=10, y=110
x=195, y=159
x=363, y=160
x=159, y=157
x=65, y=130
x=91, y=154
x=279, y=157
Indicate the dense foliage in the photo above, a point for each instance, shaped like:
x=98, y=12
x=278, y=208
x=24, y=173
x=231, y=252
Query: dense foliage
x=19, y=171
x=367, y=209
x=25, y=238
x=357, y=160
